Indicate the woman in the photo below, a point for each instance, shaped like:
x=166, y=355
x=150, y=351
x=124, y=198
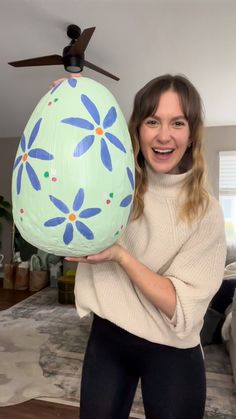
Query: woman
x=150, y=291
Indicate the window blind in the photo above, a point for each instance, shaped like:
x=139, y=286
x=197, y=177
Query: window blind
x=227, y=175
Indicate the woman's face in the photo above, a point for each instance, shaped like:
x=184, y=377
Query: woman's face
x=164, y=137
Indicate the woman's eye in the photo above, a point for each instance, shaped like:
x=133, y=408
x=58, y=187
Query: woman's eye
x=179, y=123
x=151, y=122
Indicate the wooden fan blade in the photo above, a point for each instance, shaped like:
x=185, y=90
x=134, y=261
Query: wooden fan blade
x=38, y=61
x=100, y=70
x=81, y=44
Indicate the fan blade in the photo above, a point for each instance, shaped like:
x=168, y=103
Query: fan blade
x=100, y=70
x=81, y=44
x=46, y=60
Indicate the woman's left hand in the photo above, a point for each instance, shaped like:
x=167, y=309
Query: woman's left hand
x=113, y=253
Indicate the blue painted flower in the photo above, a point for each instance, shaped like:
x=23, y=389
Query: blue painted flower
x=28, y=153
x=72, y=219
x=128, y=199
x=98, y=130
x=72, y=83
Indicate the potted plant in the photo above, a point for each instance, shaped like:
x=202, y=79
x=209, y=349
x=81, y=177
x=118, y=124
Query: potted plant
x=5, y=213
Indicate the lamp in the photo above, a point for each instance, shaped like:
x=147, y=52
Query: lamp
x=73, y=64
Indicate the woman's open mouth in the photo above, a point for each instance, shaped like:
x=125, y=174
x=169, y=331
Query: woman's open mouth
x=163, y=154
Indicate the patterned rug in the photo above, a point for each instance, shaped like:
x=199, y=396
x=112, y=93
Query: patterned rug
x=42, y=347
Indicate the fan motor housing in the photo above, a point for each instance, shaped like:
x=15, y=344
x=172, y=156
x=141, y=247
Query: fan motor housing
x=73, y=64
x=73, y=31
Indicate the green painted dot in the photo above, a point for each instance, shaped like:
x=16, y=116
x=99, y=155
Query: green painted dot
x=55, y=100
x=111, y=195
x=21, y=218
x=46, y=174
x=116, y=233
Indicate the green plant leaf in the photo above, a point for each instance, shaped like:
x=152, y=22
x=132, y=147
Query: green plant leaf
x=5, y=214
x=5, y=209
x=6, y=204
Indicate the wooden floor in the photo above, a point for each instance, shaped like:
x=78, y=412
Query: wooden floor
x=9, y=298
x=33, y=409
x=36, y=409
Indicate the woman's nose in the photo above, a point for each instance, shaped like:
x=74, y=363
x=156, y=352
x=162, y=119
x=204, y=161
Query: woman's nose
x=163, y=134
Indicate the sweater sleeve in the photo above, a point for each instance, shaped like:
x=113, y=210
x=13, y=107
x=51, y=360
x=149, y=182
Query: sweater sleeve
x=197, y=271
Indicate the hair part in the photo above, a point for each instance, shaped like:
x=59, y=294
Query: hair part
x=146, y=103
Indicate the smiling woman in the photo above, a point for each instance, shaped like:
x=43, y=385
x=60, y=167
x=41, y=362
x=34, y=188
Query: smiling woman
x=149, y=292
x=164, y=137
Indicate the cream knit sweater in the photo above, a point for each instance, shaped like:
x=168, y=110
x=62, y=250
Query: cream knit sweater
x=193, y=257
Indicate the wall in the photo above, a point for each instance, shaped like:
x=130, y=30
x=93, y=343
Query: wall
x=217, y=139
x=7, y=156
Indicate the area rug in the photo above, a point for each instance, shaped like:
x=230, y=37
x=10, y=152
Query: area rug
x=42, y=346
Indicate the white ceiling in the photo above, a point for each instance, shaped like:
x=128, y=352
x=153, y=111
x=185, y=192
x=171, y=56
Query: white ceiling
x=136, y=40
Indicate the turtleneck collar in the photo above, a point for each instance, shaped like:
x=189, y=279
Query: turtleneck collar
x=165, y=184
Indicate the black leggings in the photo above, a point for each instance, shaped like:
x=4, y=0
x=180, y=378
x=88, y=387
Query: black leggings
x=172, y=380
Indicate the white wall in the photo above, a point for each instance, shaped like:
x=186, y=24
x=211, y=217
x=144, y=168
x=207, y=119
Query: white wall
x=217, y=139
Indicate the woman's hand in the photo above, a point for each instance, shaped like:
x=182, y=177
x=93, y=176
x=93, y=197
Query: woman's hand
x=114, y=253
x=71, y=76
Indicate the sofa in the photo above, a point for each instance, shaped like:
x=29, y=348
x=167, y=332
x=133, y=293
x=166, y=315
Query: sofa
x=221, y=315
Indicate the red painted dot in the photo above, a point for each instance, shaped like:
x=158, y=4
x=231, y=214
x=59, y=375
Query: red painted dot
x=49, y=103
x=108, y=201
x=21, y=211
x=54, y=179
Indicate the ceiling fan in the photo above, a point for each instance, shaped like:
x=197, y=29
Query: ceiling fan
x=72, y=57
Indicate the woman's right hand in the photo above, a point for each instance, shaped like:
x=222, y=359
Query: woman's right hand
x=71, y=76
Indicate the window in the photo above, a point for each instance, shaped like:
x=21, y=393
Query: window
x=227, y=192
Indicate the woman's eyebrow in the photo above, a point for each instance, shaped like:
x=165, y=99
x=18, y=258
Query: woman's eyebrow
x=179, y=117
x=172, y=118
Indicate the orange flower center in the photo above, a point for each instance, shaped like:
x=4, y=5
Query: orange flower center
x=99, y=131
x=72, y=217
x=25, y=157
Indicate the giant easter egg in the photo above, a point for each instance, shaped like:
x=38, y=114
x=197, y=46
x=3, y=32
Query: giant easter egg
x=73, y=176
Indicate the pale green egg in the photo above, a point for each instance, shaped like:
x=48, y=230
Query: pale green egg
x=73, y=176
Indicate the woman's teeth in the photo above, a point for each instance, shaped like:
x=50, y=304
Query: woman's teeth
x=167, y=151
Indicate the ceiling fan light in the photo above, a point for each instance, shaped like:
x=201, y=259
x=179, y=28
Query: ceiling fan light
x=73, y=64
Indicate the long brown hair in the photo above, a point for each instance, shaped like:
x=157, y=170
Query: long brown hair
x=145, y=104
